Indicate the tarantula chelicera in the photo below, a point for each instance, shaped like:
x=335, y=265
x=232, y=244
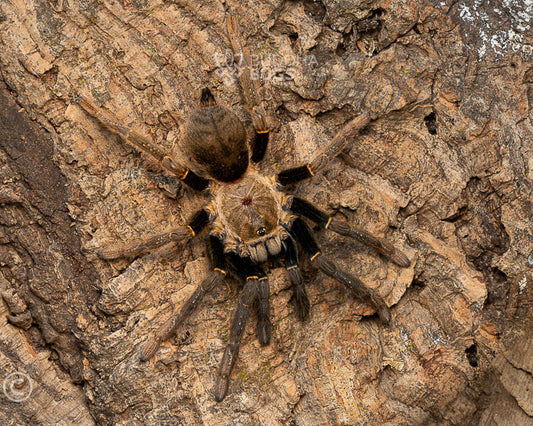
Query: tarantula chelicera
x=251, y=219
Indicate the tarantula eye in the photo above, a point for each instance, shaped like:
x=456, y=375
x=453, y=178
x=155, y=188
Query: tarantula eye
x=261, y=231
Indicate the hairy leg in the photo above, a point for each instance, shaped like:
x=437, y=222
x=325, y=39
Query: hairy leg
x=251, y=90
x=216, y=276
x=299, y=293
x=381, y=245
x=334, y=148
x=245, y=268
x=249, y=295
x=142, y=143
x=264, y=325
x=181, y=234
x=303, y=234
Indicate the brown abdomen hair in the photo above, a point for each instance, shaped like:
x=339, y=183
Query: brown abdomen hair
x=216, y=139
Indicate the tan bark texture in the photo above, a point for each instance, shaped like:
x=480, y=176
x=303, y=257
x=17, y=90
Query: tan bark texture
x=444, y=170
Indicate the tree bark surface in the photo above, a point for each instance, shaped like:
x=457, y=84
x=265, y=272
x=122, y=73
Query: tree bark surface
x=444, y=170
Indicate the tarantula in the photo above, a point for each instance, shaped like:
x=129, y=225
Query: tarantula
x=251, y=219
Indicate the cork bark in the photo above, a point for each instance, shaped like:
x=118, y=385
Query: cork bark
x=444, y=170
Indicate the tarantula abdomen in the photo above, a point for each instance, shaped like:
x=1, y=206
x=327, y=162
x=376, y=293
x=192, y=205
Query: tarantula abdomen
x=216, y=139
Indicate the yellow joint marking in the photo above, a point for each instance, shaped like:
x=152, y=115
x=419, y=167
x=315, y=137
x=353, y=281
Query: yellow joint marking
x=313, y=257
x=262, y=131
x=263, y=278
x=191, y=230
x=310, y=169
x=329, y=222
x=292, y=267
x=220, y=270
x=185, y=174
x=253, y=277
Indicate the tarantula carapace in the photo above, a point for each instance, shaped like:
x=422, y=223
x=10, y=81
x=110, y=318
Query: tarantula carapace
x=251, y=219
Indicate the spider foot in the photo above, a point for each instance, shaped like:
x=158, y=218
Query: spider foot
x=226, y=366
x=382, y=309
x=221, y=388
x=149, y=349
x=112, y=253
x=84, y=103
x=302, y=304
x=264, y=331
x=383, y=246
x=109, y=253
x=400, y=258
x=385, y=314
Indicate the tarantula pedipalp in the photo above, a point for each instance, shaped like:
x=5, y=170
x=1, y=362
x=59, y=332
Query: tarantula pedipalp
x=251, y=219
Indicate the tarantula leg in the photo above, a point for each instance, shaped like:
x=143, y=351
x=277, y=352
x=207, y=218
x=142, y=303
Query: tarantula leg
x=248, y=81
x=298, y=288
x=185, y=174
x=181, y=234
x=110, y=122
x=166, y=330
x=141, y=142
x=260, y=142
x=245, y=268
x=249, y=295
x=381, y=245
x=334, y=148
x=218, y=273
x=264, y=326
x=251, y=90
x=303, y=234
